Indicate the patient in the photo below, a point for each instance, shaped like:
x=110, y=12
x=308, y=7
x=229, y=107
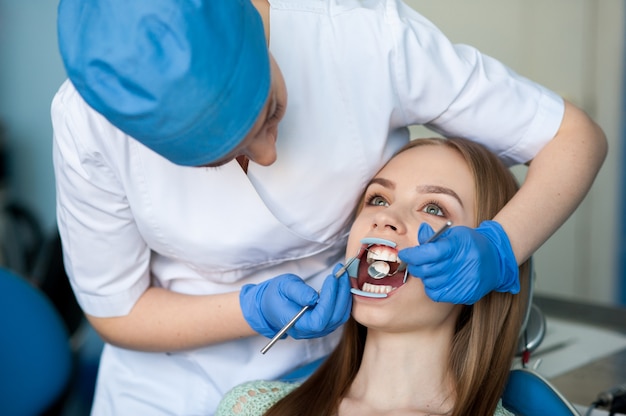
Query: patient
x=402, y=353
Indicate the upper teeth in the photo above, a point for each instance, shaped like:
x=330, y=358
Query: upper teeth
x=381, y=253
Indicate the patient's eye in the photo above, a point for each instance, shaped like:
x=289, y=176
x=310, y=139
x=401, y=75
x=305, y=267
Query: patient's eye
x=377, y=200
x=432, y=209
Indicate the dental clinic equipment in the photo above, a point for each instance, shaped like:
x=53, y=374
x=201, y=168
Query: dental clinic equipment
x=614, y=400
x=375, y=270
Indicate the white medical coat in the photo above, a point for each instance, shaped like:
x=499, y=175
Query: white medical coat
x=357, y=74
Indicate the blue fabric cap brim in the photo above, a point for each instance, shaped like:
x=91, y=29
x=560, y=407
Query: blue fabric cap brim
x=187, y=79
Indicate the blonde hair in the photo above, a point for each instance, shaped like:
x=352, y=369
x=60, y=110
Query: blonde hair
x=486, y=335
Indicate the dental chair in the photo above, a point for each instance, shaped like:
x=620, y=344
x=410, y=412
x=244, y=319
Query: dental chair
x=35, y=355
x=527, y=393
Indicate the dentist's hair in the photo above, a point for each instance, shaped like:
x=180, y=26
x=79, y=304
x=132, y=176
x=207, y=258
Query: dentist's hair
x=487, y=333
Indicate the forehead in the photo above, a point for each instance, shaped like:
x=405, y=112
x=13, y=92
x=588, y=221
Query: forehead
x=431, y=165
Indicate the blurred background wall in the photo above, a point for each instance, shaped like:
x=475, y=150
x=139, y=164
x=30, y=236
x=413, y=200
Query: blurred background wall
x=575, y=47
x=30, y=73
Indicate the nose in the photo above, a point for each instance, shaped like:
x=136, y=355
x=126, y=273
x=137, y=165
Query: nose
x=262, y=150
x=390, y=220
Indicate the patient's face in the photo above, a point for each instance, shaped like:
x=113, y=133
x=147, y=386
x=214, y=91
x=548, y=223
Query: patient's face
x=426, y=183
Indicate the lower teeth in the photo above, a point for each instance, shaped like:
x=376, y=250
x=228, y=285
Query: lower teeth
x=368, y=287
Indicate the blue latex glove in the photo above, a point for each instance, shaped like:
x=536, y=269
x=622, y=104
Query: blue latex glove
x=268, y=306
x=464, y=264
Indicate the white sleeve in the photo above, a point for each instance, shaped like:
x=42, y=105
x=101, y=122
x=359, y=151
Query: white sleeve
x=457, y=91
x=105, y=256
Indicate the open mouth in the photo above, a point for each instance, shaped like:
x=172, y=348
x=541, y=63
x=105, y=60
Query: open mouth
x=378, y=271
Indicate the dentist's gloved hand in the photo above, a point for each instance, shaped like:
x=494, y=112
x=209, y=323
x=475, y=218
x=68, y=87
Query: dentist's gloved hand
x=464, y=264
x=268, y=306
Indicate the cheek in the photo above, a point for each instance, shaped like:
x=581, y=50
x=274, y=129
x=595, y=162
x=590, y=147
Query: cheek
x=414, y=291
x=357, y=232
x=422, y=309
x=468, y=219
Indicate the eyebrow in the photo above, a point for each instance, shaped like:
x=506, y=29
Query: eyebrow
x=434, y=189
x=383, y=182
x=422, y=189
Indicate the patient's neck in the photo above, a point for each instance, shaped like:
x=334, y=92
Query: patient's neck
x=402, y=374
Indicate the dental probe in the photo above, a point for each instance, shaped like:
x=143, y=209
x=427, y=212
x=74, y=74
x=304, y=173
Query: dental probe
x=291, y=323
x=447, y=225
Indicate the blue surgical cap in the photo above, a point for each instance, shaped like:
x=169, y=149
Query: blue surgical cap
x=187, y=78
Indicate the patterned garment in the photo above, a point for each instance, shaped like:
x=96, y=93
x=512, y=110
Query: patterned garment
x=256, y=397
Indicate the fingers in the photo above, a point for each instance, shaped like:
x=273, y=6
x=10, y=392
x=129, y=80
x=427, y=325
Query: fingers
x=331, y=311
x=424, y=233
x=335, y=302
x=294, y=289
x=270, y=305
x=430, y=256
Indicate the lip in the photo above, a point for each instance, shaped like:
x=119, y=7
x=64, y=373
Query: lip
x=360, y=278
